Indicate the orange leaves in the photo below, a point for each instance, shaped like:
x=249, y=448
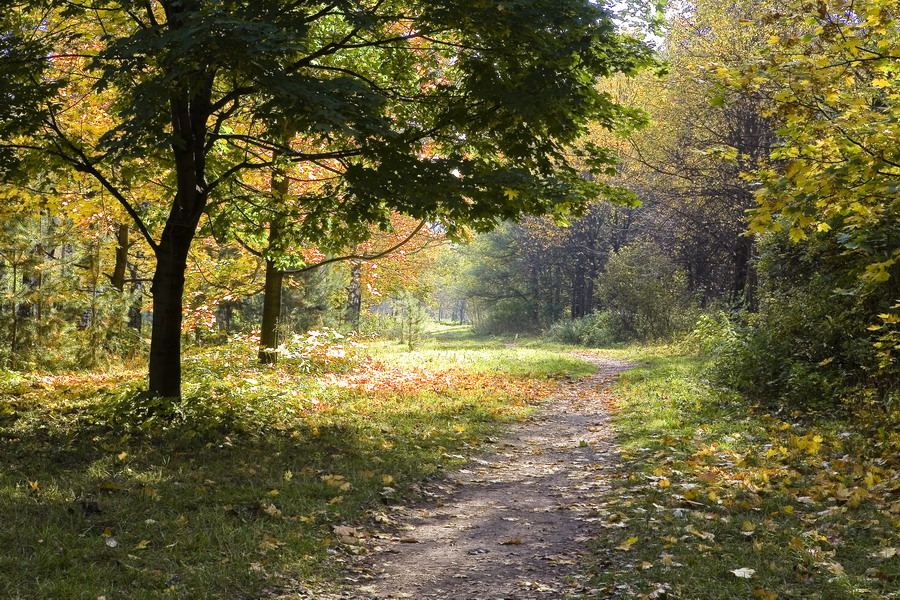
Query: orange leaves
x=374, y=376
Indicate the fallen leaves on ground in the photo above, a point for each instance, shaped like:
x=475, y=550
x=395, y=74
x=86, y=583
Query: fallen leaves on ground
x=717, y=489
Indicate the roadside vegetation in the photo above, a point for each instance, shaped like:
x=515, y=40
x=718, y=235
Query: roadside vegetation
x=720, y=497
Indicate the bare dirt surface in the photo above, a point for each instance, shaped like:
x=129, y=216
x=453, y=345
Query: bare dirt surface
x=511, y=524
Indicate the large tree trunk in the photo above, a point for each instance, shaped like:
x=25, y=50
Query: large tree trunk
x=268, y=338
x=354, y=296
x=190, y=111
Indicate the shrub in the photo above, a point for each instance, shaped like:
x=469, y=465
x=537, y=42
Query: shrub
x=319, y=351
x=510, y=315
x=712, y=332
x=645, y=294
x=591, y=330
x=811, y=344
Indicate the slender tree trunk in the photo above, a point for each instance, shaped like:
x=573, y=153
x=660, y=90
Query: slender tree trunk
x=14, y=333
x=121, y=265
x=577, y=310
x=135, y=317
x=742, y=256
x=224, y=316
x=268, y=339
x=535, y=293
x=750, y=300
x=95, y=325
x=589, y=295
x=354, y=296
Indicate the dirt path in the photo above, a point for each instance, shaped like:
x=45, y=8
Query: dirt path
x=513, y=523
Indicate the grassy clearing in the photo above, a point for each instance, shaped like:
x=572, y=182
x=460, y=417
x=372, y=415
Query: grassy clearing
x=237, y=489
x=720, y=500
x=457, y=348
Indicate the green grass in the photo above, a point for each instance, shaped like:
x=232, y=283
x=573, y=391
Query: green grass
x=456, y=347
x=709, y=485
x=236, y=491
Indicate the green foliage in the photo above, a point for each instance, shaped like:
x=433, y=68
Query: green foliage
x=809, y=345
x=57, y=308
x=375, y=324
x=645, y=294
x=411, y=317
x=319, y=350
x=418, y=108
x=23, y=65
x=507, y=315
x=524, y=277
x=830, y=76
x=833, y=84
x=507, y=283
x=593, y=330
x=712, y=331
x=805, y=348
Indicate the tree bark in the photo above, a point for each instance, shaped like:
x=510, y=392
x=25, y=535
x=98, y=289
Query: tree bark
x=742, y=255
x=117, y=279
x=272, y=294
x=578, y=287
x=14, y=332
x=190, y=110
x=135, y=319
x=168, y=292
x=268, y=338
x=354, y=296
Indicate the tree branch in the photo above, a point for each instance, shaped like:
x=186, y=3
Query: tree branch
x=358, y=256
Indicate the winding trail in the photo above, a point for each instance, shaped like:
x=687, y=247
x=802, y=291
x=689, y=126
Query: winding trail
x=512, y=524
